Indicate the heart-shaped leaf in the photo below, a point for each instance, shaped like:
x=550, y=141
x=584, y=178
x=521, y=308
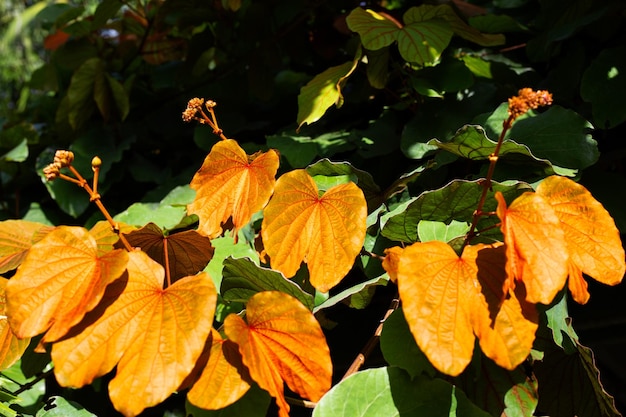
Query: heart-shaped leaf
x=153, y=335
x=231, y=184
x=282, y=342
x=16, y=238
x=11, y=348
x=327, y=232
x=62, y=278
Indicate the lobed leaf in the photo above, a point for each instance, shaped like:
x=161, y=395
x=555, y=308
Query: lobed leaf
x=326, y=232
x=153, y=335
x=224, y=379
x=62, y=278
x=16, y=238
x=231, y=184
x=282, y=342
x=186, y=253
x=593, y=241
x=536, y=250
x=11, y=348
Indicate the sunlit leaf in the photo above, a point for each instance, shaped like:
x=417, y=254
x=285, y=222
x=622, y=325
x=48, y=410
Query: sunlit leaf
x=438, y=290
x=153, y=335
x=322, y=92
x=16, y=238
x=390, y=262
x=536, y=250
x=61, y=279
x=188, y=252
x=224, y=379
x=231, y=184
x=11, y=348
x=593, y=240
x=508, y=335
x=282, y=342
x=326, y=232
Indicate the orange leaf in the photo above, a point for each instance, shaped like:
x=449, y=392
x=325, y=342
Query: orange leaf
x=156, y=334
x=438, y=290
x=507, y=334
x=188, y=252
x=231, y=184
x=224, y=379
x=282, y=342
x=11, y=348
x=593, y=241
x=61, y=279
x=390, y=262
x=326, y=232
x=53, y=41
x=16, y=238
x=536, y=251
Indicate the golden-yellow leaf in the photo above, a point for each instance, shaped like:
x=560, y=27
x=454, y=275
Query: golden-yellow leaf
x=16, y=238
x=507, y=334
x=593, y=241
x=62, y=278
x=153, y=335
x=390, y=262
x=536, y=252
x=11, y=348
x=326, y=232
x=224, y=379
x=282, y=342
x=438, y=290
x=231, y=184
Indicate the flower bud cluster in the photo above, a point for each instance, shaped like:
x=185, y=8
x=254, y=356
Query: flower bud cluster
x=62, y=159
x=193, y=106
x=528, y=99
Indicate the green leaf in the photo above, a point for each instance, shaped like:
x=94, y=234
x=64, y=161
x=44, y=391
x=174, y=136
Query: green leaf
x=227, y=247
x=376, y=31
x=60, y=407
x=468, y=32
x=299, y=151
x=106, y=10
x=354, y=291
x=81, y=90
x=569, y=385
x=471, y=142
x=603, y=85
x=120, y=96
x=425, y=36
x=455, y=201
x=18, y=153
x=428, y=230
x=163, y=215
x=242, y=278
x=391, y=392
x=501, y=392
x=558, y=135
x=399, y=348
x=322, y=92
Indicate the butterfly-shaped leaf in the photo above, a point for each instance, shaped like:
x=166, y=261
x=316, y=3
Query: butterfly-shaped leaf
x=326, y=232
x=153, y=335
x=231, y=184
x=62, y=278
x=593, y=241
x=282, y=342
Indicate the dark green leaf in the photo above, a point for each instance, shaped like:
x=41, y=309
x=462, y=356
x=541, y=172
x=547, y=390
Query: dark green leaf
x=360, y=291
x=242, y=278
x=254, y=403
x=106, y=10
x=455, y=201
x=399, y=348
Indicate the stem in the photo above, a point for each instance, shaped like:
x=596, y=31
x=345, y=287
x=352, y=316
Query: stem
x=167, y=262
x=371, y=343
x=95, y=198
x=29, y=385
x=486, y=183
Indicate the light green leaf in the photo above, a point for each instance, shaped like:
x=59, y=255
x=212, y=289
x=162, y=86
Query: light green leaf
x=322, y=92
x=254, y=403
x=60, y=407
x=428, y=230
x=376, y=31
x=391, y=392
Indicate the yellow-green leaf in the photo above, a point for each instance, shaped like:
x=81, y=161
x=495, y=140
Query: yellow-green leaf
x=326, y=232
